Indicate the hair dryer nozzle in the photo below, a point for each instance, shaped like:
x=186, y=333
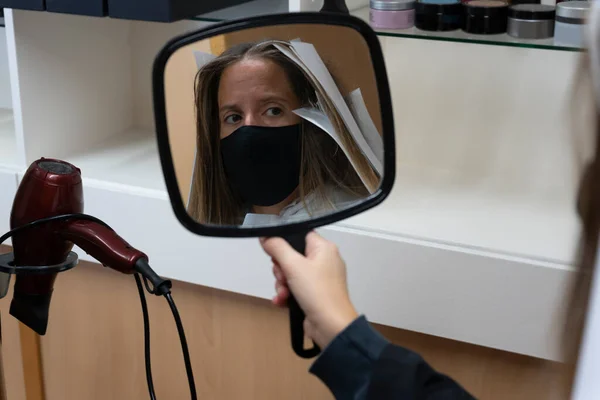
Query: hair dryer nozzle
x=32, y=310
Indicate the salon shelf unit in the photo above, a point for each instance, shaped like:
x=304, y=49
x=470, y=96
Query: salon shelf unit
x=474, y=244
x=360, y=9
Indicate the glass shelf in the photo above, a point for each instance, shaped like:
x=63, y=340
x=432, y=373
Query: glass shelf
x=263, y=7
x=463, y=37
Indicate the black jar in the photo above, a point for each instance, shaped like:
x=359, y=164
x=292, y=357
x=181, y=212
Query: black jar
x=433, y=15
x=485, y=17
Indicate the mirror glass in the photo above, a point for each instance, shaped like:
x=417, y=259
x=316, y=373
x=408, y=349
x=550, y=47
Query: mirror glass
x=274, y=125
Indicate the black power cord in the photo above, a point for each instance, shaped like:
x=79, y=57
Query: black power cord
x=184, y=346
x=41, y=221
x=161, y=287
x=149, y=379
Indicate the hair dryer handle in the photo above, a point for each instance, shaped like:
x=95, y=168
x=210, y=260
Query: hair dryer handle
x=298, y=242
x=103, y=244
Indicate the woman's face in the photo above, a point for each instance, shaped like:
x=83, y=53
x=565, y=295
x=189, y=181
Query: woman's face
x=255, y=92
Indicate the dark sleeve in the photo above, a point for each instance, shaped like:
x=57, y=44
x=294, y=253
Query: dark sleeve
x=345, y=366
x=402, y=374
x=360, y=364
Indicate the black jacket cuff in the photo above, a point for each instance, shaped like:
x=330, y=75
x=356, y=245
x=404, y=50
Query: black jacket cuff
x=346, y=365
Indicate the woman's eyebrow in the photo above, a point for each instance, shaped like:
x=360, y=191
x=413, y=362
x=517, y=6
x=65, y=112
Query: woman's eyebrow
x=228, y=107
x=274, y=98
x=265, y=99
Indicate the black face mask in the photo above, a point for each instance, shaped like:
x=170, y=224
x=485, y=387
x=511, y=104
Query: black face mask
x=262, y=163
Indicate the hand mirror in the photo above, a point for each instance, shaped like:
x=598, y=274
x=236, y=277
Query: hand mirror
x=273, y=126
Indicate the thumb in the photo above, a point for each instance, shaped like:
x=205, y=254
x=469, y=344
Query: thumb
x=314, y=244
x=284, y=254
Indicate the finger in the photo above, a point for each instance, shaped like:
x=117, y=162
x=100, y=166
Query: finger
x=279, y=249
x=281, y=298
x=309, y=329
x=279, y=302
x=278, y=286
x=283, y=253
x=278, y=273
x=283, y=294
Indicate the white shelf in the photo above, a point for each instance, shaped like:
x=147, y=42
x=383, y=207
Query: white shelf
x=8, y=143
x=445, y=211
x=126, y=159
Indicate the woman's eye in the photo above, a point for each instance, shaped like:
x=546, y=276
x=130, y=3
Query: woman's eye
x=274, y=111
x=233, y=119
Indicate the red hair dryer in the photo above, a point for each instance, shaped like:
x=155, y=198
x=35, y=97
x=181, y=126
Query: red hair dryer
x=53, y=188
x=46, y=221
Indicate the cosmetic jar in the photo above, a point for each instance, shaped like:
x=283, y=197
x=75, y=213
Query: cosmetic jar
x=392, y=14
x=570, y=23
x=517, y=2
x=438, y=16
x=485, y=17
x=438, y=1
x=531, y=21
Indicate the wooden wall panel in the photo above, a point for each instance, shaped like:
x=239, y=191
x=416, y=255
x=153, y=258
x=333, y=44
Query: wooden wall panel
x=240, y=348
x=11, y=348
x=94, y=346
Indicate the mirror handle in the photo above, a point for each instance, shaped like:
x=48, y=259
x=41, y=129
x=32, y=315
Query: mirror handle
x=298, y=242
x=335, y=6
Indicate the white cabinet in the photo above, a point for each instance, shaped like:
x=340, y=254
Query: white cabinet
x=8, y=188
x=9, y=155
x=475, y=243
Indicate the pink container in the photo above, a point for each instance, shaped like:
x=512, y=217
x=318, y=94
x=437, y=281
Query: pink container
x=392, y=14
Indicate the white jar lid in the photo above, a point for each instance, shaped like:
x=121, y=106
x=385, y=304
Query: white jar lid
x=573, y=9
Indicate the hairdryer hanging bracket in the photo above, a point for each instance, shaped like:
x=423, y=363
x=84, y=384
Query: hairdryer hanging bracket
x=7, y=265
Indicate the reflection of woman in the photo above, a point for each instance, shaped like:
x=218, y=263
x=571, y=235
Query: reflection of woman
x=254, y=155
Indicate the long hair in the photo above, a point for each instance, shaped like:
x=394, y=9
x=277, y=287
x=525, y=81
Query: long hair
x=212, y=199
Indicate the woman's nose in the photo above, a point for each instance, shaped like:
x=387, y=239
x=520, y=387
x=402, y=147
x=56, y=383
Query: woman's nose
x=251, y=119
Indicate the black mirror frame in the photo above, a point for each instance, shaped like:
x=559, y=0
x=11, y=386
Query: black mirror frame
x=162, y=133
